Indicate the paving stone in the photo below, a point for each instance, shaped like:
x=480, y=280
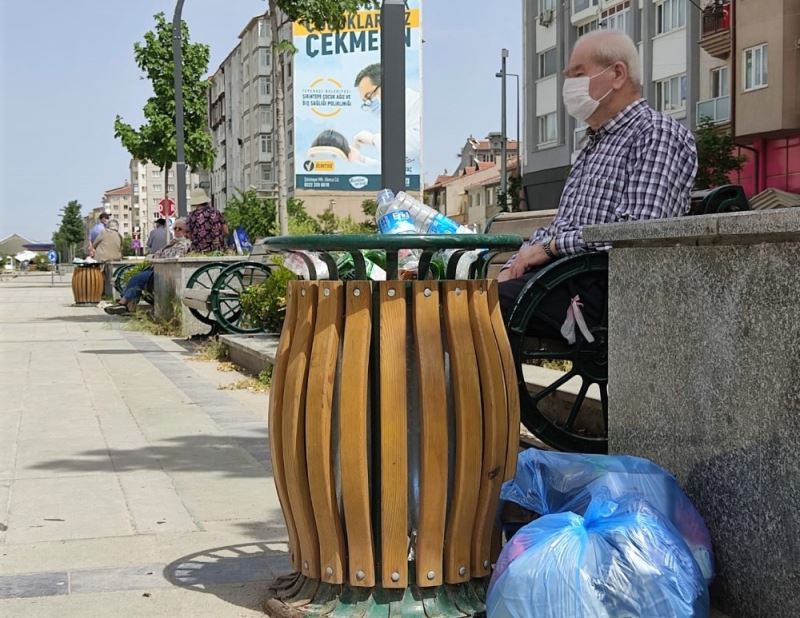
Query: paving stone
x=33, y=585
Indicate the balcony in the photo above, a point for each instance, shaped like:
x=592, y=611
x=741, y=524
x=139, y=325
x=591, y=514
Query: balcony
x=719, y=109
x=715, y=35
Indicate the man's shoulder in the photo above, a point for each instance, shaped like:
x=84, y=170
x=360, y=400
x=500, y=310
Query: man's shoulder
x=660, y=126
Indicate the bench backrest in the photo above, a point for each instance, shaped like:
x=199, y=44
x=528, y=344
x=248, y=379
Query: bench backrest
x=521, y=223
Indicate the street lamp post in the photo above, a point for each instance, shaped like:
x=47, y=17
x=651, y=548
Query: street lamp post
x=393, y=95
x=503, y=129
x=177, y=59
x=519, y=140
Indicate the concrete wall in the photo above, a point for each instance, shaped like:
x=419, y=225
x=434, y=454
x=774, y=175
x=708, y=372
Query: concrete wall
x=170, y=279
x=704, y=379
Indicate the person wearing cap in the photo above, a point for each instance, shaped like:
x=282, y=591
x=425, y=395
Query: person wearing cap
x=157, y=239
x=97, y=229
x=207, y=227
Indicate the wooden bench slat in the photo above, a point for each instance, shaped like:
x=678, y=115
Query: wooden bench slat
x=354, y=427
x=469, y=432
x=394, y=435
x=495, y=426
x=276, y=404
x=433, y=434
x=319, y=438
x=196, y=298
x=294, y=442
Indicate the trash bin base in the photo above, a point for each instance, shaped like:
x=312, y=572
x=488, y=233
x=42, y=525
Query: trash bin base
x=296, y=596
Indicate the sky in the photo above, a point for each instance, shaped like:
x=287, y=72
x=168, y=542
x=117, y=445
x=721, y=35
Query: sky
x=67, y=69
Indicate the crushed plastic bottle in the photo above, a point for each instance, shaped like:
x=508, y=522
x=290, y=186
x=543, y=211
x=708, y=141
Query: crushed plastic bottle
x=393, y=218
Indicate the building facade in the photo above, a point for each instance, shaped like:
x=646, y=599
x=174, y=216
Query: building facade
x=149, y=186
x=694, y=55
x=485, y=150
x=119, y=204
x=242, y=116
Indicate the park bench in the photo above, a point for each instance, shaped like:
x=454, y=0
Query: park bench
x=117, y=280
x=581, y=425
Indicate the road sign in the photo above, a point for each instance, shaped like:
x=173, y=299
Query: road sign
x=52, y=256
x=166, y=207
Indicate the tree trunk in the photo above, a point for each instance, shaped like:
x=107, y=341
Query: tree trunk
x=280, y=117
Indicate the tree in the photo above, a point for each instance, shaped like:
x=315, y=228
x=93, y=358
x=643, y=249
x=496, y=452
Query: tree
x=71, y=232
x=257, y=215
x=317, y=15
x=127, y=245
x=514, y=190
x=154, y=141
x=715, y=158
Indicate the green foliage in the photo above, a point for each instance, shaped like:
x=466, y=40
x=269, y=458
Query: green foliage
x=322, y=14
x=70, y=232
x=127, y=246
x=126, y=276
x=214, y=350
x=143, y=321
x=715, y=158
x=40, y=262
x=514, y=190
x=154, y=141
x=259, y=216
x=265, y=303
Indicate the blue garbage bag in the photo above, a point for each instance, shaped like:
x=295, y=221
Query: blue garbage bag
x=548, y=482
x=623, y=559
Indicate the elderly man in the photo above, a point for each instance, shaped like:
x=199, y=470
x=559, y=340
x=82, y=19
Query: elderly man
x=636, y=164
x=97, y=229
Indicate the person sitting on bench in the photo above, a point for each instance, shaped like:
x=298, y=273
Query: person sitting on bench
x=177, y=247
x=636, y=163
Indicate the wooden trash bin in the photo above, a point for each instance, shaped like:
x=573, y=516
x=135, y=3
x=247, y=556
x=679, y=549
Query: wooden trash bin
x=393, y=422
x=87, y=284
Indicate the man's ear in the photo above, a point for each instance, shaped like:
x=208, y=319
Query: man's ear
x=620, y=74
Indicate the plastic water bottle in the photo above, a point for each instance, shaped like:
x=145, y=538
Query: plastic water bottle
x=430, y=221
x=393, y=218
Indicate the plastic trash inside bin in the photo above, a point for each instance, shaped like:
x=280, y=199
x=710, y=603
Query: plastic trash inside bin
x=548, y=482
x=623, y=559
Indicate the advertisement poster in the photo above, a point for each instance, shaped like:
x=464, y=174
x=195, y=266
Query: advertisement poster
x=337, y=104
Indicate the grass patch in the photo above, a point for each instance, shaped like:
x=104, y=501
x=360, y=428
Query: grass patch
x=144, y=322
x=260, y=384
x=212, y=351
x=558, y=365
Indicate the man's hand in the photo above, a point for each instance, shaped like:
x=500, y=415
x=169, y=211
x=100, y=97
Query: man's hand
x=364, y=138
x=530, y=256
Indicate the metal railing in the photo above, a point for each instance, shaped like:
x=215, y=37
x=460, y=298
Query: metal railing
x=716, y=17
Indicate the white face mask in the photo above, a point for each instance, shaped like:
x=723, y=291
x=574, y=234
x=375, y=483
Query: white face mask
x=577, y=100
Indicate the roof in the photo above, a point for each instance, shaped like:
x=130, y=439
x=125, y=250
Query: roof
x=774, y=198
x=485, y=144
x=123, y=190
x=12, y=244
x=440, y=181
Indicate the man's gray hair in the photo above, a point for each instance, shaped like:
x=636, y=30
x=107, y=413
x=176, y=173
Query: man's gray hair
x=610, y=46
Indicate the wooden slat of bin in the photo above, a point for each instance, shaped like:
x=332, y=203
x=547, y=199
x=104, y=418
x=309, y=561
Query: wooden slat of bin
x=510, y=373
x=276, y=424
x=469, y=432
x=495, y=427
x=294, y=438
x=433, y=434
x=319, y=420
x=393, y=432
x=354, y=459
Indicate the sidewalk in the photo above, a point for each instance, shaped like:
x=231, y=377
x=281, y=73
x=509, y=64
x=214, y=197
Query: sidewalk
x=129, y=484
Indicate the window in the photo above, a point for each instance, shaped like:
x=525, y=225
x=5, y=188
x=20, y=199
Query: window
x=156, y=173
x=617, y=17
x=546, y=5
x=547, y=63
x=262, y=28
x=264, y=88
x=670, y=15
x=755, y=67
x=582, y=5
x=719, y=83
x=290, y=137
x=170, y=174
x=156, y=188
x=265, y=114
x=671, y=94
x=591, y=26
x=266, y=172
x=154, y=201
x=246, y=95
x=289, y=70
x=548, y=131
x=263, y=57
x=170, y=188
x=266, y=144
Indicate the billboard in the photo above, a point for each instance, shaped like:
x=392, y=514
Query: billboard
x=337, y=104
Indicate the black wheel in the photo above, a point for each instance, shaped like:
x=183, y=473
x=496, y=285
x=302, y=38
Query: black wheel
x=117, y=277
x=582, y=424
x=225, y=299
x=204, y=277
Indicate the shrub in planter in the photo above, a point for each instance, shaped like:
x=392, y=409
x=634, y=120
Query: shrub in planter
x=126, y=276
x=265, y=303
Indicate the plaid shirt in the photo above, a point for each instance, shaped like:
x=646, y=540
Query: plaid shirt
x=641, y=164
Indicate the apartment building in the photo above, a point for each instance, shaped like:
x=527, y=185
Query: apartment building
x=751, y=87
x=149, y=186
x=119, y=204
x=485, y=150
x=242, y=116
x=694, y=56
